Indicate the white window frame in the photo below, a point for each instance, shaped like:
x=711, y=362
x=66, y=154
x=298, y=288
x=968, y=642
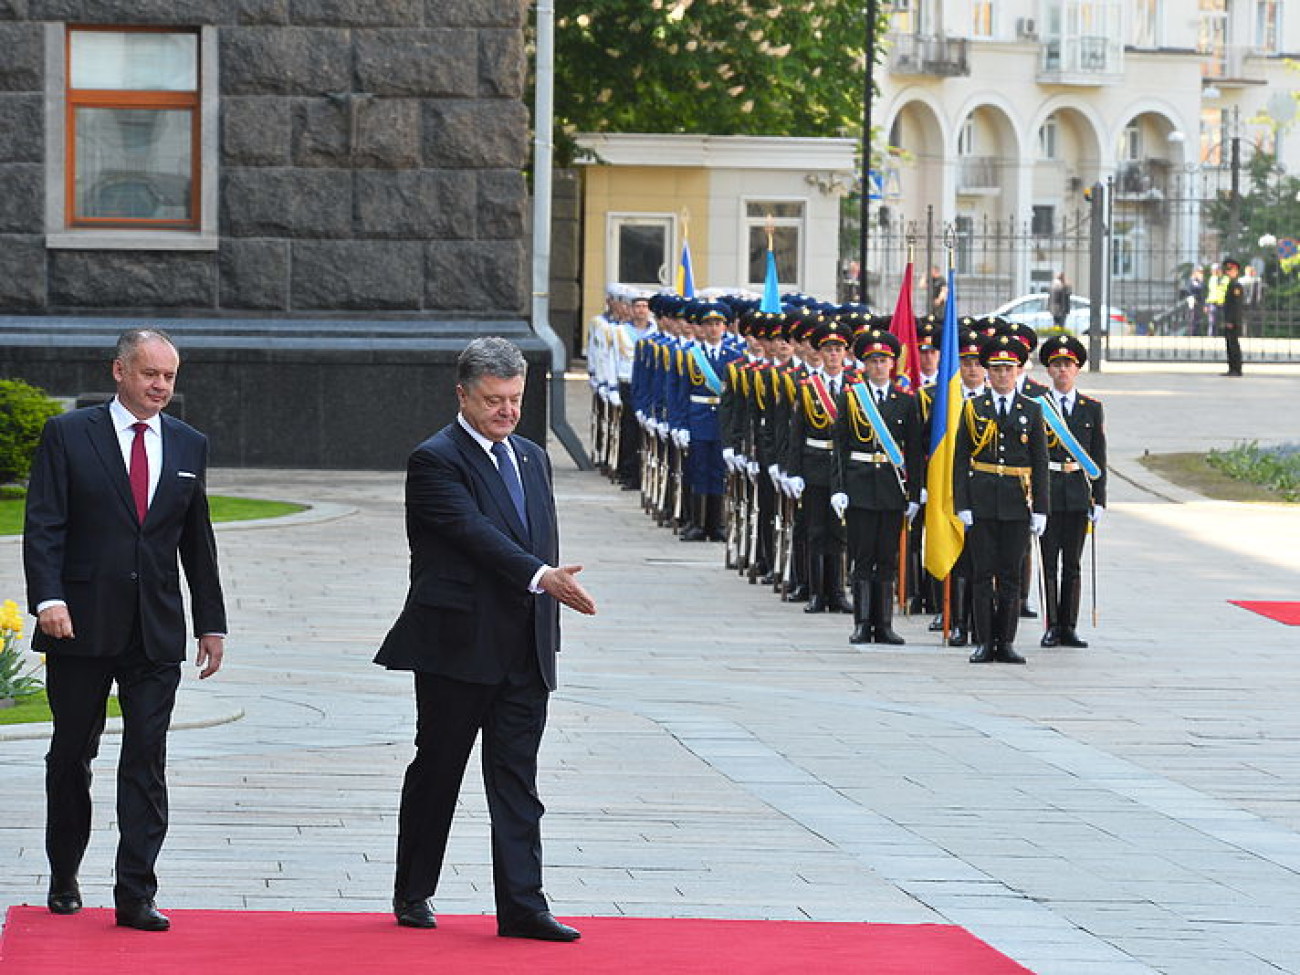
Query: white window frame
x=799, y=223
x=58, y=234
x=981, y=10
x=615, y=220
x=1048, y=136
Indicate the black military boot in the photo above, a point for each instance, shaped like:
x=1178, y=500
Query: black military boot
x=798, y=570
x=882, y=599
x=816, y=586
x=861, y=612
x=713, y=529
x=835, y=601
x=1008, y=617
x=959, y=609
x=695, y=533
x=1052, y=606
x=984, y=645
x=1070, y=614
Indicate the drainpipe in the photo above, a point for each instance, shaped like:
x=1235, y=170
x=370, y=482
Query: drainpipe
x=543, y=149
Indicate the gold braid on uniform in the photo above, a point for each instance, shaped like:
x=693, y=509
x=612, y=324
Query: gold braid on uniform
x=860, y=421
x=760, y=390
x=818, y=418
x=697, y=377
x=983, y=434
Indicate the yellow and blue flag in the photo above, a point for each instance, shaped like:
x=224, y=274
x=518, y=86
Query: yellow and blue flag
x=771, y=303
x=685, y=276
x=944, y=536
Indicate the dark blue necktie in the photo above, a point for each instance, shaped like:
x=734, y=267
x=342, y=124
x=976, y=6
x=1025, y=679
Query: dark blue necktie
x=506, y=466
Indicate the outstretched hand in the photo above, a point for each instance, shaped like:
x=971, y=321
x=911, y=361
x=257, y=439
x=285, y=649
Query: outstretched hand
x=562, y=584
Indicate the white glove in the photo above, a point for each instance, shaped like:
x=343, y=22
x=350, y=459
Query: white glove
x=796, y=487
x=752, y=468
x=966, y=517
x=641, y=418
x=683, y=438
x=1095, y=514
x=614, y=398
x=729, y=457
x=912, y=509
x=925, y=495
x=840, y=503
x=591, y=380
x=1038, y=523
x=774, y=473
x=742, y=463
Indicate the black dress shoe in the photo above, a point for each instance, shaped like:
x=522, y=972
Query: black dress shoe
x=1069, y=638
x=838, y=604
x=1051, y=638
x=983, y=654
x=885, y=634
x=799, y=594
x=541, y=926
x=141, y=915
x=64, y=897
x=414, y=914
x=1026, y=612
x=693, y=534
x=936, y=624
x=956, y=637
x=1007, y=654
x=817, y=604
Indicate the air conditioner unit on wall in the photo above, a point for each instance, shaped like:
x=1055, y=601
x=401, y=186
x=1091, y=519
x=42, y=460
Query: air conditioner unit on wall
x=1026, y=28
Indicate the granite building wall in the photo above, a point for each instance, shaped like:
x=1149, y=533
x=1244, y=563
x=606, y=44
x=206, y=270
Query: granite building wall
x=370, y=169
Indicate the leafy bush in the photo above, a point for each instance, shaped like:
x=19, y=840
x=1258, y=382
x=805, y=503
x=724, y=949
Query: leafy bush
x=1276, y=468
x=23, y=412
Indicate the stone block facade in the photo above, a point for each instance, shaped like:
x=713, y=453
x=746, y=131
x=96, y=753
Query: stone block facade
x=342, y=122
x=370, y=170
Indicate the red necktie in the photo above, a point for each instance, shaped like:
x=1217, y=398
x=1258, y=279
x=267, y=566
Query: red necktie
x=139, y=473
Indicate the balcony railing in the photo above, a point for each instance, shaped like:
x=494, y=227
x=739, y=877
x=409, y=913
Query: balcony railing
x=1082, y=59
x=977, y=174
x=926, y=54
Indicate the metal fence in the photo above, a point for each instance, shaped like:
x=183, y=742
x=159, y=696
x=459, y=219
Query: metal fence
x=1160, y=235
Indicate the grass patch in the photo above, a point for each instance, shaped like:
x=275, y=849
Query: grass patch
x=34, y=707
x=1275, y=468
x=1195, y=473
x=223, y=509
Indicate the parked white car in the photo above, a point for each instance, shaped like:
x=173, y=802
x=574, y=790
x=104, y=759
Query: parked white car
x=1032, y=310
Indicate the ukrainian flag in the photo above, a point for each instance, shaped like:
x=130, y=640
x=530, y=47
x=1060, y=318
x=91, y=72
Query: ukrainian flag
x=944, y=536
x=685, y=277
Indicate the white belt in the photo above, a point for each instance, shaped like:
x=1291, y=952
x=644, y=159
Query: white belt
x=869, y=458
x=706, y=400
x=820, y=444
x=1063, y=467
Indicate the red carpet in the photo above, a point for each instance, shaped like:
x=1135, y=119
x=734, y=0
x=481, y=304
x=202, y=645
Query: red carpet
x=36, y=942
x=1288, y=613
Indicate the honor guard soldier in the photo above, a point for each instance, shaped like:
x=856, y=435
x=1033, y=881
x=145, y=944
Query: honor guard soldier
x=702, y=366
x=1032, y=388
x=810, y=463
x=973, y=383
x=625, y=339
x=1075, y=498
x=1000, y=493
x=876, y=480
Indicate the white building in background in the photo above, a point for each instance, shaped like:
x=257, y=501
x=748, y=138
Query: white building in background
x=1004, y=111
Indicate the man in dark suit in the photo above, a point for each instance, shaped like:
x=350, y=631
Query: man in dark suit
x=480, y=630
x=116, y=494
x=1000, y=494
x=1075, y=500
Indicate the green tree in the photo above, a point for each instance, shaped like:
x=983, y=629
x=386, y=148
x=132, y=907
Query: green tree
x=23, y=412
x=719, y=67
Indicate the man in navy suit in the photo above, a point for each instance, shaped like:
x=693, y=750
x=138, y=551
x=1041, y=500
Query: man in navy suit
x=116, y=494
x=480, y=630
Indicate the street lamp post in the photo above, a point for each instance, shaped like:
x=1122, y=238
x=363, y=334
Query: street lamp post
x=864, y=214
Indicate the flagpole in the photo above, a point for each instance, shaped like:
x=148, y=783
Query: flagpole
x=867, y=90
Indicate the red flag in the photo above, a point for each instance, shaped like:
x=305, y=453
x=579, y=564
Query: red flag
x=903, y=325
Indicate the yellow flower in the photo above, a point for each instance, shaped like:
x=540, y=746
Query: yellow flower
x=11, y=618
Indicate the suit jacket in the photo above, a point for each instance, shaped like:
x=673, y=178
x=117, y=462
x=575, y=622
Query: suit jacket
x=1019, y=441
x=874, y=485
x=469, y=612
x=83, y=543
x=1071, y=490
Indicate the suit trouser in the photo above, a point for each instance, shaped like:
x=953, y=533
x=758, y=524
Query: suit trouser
x=628, y=462
x=1232, y=343
x=997, y=548
x=873, y=544
x=1063, y=544
x=78, y=688
x=449, y=716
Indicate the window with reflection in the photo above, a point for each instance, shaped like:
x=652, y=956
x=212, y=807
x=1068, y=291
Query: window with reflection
x=133, y=128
